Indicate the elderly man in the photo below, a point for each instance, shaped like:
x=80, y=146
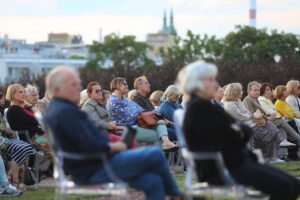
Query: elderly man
x=252, y=104
x=144, y=169
x=142, y=87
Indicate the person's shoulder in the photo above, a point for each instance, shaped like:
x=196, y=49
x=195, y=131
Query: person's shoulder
x=14, y=108
x=197, y=103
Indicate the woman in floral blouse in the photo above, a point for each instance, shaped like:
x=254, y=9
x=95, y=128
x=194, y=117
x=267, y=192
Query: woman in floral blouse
x=125, y=112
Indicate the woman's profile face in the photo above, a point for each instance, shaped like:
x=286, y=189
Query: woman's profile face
x=124, y=88
x=32, y=98
x=210, y=88
x=19, y=94
x=268, y=92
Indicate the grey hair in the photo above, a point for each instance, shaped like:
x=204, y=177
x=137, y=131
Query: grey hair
x=29, y=89
x=171, y=92
x=54, y=78
x=190, y=78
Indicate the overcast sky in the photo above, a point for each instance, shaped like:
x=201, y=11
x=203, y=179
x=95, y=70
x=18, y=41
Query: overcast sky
x=34, y=19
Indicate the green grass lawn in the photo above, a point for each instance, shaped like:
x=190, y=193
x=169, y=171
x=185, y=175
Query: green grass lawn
x=47, y=193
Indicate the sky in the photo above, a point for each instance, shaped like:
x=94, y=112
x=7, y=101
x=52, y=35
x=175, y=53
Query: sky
x=34, y=19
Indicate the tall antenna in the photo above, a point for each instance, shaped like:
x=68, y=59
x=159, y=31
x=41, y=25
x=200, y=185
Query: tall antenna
x=252, y=13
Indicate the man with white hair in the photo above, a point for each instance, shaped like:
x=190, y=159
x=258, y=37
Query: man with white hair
x=144, y=169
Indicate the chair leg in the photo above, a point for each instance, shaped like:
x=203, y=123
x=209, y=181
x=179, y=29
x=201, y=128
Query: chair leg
x=60, y=194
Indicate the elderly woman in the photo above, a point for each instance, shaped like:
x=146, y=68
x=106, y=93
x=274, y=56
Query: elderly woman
x=210, y=128
x=96, y=110
x=293, y=89
x=170, y=102
x=156, y=98
x=125, y=112
x=266, y=136
x=269, y=108
x=31, y=98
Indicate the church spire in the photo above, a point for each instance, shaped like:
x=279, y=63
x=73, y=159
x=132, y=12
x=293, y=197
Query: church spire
x=172, y=27
x=165, y=25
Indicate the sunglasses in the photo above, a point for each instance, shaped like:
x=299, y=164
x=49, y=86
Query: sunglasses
x=98, y=91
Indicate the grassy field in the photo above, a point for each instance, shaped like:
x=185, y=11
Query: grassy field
x=47, y=193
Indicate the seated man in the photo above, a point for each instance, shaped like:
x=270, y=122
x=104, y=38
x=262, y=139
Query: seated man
x=143, y=169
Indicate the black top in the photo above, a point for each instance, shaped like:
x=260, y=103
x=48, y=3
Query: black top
x=74, y=132
x=209, y=128
x=19, y=120
x=144, y=102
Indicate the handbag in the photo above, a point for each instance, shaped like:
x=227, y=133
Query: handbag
x=147, y=119
x=29, y=176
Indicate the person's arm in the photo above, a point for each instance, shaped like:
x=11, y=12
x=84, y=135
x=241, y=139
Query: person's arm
x=235, y=112
x=167, y=111
x=249, y=105
x=93, y=115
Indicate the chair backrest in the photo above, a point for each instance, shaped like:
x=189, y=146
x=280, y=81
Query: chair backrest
x=190, y=157
x=5, y=117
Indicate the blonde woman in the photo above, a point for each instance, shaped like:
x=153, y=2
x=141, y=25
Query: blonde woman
x=266, y=136
x=293, y=89
x=170, y=102
x=156, y=98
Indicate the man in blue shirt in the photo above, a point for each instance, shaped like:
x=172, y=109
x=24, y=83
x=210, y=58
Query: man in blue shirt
x=144, y=169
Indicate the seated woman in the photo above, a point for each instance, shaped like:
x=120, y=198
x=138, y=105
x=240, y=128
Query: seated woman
x=266, y=136
x=31, y=98
x=98, y=113
x=293, y=89
x=19, y=118
x=283, y=107
x=125, y=112
x=156, y=98
x=170, y=102
x=209, y=128
x=269, y=108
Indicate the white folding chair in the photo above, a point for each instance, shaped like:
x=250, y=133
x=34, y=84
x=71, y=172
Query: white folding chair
x=117, y=189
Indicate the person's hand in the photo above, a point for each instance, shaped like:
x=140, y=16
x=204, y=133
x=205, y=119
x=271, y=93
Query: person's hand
x=117, y=146
x=119, y=128
x=168, y=122
x=111, y=125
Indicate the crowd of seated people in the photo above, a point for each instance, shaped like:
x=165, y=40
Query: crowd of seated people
x=216, y=119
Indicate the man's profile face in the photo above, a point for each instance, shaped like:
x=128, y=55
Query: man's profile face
x=144, y=86
x=254, y=91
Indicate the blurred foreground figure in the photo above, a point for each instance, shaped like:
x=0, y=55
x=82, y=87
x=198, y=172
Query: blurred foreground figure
x=143, y=169
x=209, y=128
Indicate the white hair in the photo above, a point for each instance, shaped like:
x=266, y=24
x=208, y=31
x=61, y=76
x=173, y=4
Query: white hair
x=191, y=77
x=29, y=89
x=132, y=94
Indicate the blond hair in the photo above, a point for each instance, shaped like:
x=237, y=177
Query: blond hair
x=156, y=96
x=249, y=87
x=171, y=92
x=232, y=91
x=292, y=87
x=116, y=83
x=279, y=90
x=11, y=90
x=138, y=81
x=132, y=94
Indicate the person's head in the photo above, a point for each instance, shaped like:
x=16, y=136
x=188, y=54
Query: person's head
x=219, y=94
x=2, y=100
x=142, y=85
x=132, y=94
x=15, y=94
x=172, y=94
x=281, y=92
x=31, y=94
x=94, y=91
x=266, y=90
x=156, y=97
x=64, y=82
x=119, y=84
x=253, y=89
x=293, y=88
x=233, y=92
x=198, y=78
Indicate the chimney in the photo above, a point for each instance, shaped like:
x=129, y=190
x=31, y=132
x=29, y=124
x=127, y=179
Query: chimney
x=252, y=13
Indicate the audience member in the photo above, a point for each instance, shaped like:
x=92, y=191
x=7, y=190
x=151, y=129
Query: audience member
x=83, y=97
x=125, y=112
x=2, y=103
x=106, y=94
x=210, y=128
x=170, y=102
x=156, y=98
x=269, y=109
x=31, y=98
x=252, y=104
x=132, y=94
x=19, y=118
x=42, y=104
x=266, y=136
x=218, y=99
x=293, y=89
x=142, y=87
x=144, y=169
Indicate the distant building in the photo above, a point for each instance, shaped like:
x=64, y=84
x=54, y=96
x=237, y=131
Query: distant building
x=19, y=60
x=162, y=40
x=64, y=39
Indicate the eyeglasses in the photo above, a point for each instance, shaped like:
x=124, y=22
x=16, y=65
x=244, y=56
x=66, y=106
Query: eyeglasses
x=98, y=91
